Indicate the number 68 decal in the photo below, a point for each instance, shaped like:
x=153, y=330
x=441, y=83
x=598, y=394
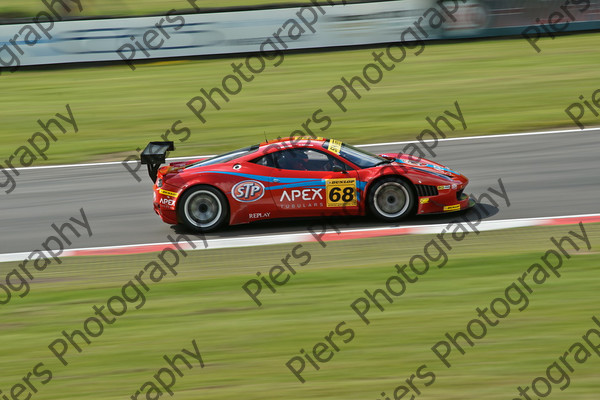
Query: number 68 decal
x=341, y=192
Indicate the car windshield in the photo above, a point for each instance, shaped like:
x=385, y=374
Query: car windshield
x=232, y=155
x=357, y=156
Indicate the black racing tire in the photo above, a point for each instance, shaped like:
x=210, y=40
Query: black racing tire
x=391, y=199
x=203, y=208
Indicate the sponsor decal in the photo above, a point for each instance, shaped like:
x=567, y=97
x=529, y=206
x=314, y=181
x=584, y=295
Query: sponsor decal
x=302, y=205
x=335, y=146
x=454, y=186
x=424, y=201
x=410, y=162
x=259, y=215
x=169, y=202
x=301, y=194
x=167, y=193
x=422, y=164
x=341, y=192
x=454, y=207
x=444, y=187
x=248, y=191
x=308, y=138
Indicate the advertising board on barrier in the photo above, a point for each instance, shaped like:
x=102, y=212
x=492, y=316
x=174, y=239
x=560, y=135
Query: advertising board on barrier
x=231, y=32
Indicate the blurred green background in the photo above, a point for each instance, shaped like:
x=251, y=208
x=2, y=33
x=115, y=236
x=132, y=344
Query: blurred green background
x=502, y=86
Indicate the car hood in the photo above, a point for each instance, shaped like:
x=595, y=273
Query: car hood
x=421, y=164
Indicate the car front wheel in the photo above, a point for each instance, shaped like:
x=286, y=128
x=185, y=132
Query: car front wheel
x=391, y=199
x=203, y=208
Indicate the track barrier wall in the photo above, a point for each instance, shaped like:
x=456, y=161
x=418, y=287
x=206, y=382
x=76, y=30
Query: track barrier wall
x=51, y=40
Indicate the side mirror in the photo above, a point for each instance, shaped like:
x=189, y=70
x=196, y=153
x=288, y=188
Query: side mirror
x=337, y=168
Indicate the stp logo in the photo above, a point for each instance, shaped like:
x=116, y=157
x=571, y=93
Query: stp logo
x=248, y=191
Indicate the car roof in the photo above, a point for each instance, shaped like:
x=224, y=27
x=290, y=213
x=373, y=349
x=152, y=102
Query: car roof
x=295, y=140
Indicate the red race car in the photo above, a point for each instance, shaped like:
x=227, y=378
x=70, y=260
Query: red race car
x=298, y=177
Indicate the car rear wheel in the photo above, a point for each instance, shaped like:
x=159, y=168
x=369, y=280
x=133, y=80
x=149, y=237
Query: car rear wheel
x=391, y=199
x=203, y=208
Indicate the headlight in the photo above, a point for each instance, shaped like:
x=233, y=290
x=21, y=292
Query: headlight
x=159, y=182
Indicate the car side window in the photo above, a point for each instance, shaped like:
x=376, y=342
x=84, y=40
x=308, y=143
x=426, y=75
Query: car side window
x=266, y=161
x=305, y=160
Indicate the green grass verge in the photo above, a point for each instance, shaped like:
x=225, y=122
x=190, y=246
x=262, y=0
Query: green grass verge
x=245, y=347
x=30, y=8
x=501, y=86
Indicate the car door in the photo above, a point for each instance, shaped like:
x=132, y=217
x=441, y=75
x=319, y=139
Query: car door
x=305, y=183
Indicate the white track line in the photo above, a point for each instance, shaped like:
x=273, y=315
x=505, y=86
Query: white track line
x=504, y=135
x=101, y=163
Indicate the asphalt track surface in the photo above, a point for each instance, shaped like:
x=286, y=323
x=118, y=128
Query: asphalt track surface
x=544, y=175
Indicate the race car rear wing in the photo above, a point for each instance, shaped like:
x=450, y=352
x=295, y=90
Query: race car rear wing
x=154, y=155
